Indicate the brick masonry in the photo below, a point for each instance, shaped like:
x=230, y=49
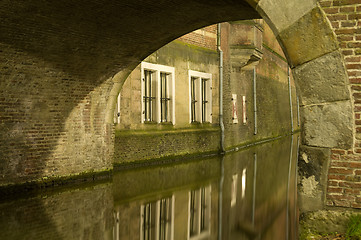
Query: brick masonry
x=205, y=37
x=344, y=174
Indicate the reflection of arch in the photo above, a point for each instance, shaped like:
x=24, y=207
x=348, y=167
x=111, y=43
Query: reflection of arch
x=89, y=42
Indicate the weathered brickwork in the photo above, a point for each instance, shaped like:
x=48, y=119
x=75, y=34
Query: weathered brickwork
x=344, y=175
x=205, y=37
x=44, y=114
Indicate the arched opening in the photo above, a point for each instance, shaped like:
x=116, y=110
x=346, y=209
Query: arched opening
x=69, y=56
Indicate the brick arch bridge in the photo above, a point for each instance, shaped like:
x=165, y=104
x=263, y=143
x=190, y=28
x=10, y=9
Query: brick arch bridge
x=62, y=62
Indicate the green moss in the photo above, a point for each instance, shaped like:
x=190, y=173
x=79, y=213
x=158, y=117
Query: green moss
x=194, y=47
x=354, y=228
x=170, y=130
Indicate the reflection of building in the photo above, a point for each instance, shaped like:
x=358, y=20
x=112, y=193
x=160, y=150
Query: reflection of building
x=187, y=214
x=157, y=220
x=199, y=213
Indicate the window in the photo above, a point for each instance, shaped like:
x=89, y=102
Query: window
x=157, y=220
x=149, y=96
x=200, y=95
x=157, y=93
x=199, y=213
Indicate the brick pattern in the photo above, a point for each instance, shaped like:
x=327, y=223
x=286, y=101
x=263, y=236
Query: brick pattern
x=43, y=115
x=344, y=179
x=206, y=40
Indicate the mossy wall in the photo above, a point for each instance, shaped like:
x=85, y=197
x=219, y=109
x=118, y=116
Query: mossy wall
x=131, y=146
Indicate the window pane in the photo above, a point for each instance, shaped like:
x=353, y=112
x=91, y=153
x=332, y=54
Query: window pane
x=148, y=98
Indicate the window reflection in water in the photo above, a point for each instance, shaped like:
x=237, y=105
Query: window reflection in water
x=156, y=220
x=199, y=213
x=257, y=198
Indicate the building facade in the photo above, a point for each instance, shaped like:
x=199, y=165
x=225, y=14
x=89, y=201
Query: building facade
x=169, y=104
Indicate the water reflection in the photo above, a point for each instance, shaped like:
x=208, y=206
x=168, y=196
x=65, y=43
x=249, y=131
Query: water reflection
x=250, y=194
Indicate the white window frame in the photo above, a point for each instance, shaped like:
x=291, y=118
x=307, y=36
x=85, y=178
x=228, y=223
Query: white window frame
x=206, y=233
x=157, y=69
x=200, y=75
x=157, y=223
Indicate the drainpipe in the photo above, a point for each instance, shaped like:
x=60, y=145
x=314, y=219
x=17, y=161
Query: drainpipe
x=254, y=188
x=290, y=95
x=220, y=200
x=221, y=124
x=298, y=111
x=288, y=190
x=295, y=187
x=255, y=100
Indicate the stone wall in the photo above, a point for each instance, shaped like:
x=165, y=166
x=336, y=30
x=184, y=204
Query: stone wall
x=131, y=146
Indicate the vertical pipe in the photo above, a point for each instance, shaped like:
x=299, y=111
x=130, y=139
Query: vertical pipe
x=298, y=111
x=220, y=199
x=295, y=193
x=254, y=189
x=161, y=97
x=220, y=86
x=288, y=190
x=290, y=96
x=255, y=100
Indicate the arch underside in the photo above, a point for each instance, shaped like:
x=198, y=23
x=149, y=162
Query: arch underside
x=61, y=60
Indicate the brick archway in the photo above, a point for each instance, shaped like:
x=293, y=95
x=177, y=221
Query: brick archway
x=59, y=63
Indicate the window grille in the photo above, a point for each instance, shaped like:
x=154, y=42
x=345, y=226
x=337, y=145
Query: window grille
x=157, y=93
x=193, y=99
x=148, y=97
x=164, y=97
x=200, y=97
x=204, y=99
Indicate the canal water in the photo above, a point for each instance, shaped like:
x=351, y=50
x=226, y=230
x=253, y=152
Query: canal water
x=248, y=194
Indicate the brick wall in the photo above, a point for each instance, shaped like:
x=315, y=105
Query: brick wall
x=205, y=37
x=344, y=175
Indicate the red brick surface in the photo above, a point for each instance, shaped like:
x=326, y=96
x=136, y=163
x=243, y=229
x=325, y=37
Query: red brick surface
x=345, y=167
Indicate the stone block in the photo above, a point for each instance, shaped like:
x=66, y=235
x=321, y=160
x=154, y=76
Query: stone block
x=308, y=38
x=328, y=125
x=285, y=13
x=313, y=164
x=322, y=80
